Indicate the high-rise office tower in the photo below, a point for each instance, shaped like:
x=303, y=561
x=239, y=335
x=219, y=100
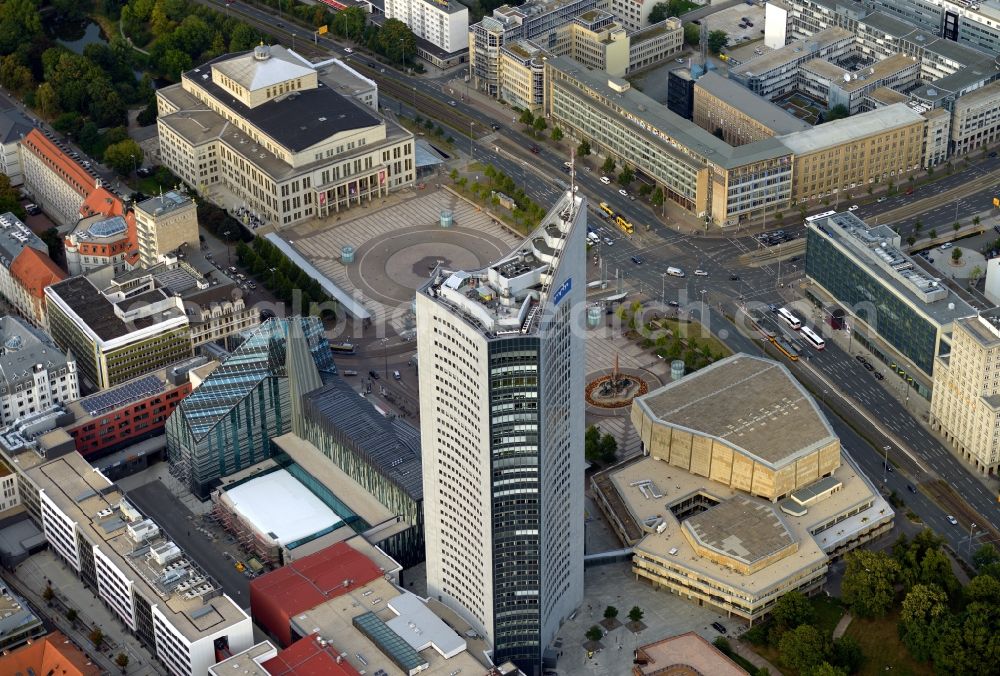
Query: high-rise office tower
x=501, y=414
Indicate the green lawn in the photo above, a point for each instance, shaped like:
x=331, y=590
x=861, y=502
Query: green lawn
x=828, y=613
x=696, y=331
x=879, y=640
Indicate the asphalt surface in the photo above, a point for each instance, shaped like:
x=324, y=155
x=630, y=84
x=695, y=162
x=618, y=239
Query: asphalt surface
x=180, y=524
x=730, y=280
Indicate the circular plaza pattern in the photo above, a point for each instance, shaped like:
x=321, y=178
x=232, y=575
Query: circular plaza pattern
x=390, y=268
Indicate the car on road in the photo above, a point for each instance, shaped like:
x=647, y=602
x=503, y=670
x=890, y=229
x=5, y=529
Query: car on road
x=860, y=358
x=623, y=192
x=887, y=467
x=374, y=374
x=734, y=278
x=868, y=365
x=701, y=273
x=396, y=375
x=881, y=199
x=608, y=241
x=673, y=303
x=636, y=260
x=911, y=488
x=946, y=246
x=878, y=375
x=853, y=207
x=772, y=307
x=348, y=50
x=452, y=103
x=993, y=154
x=952, y=520
x=749, y=24
x=718, y=626
x=607, y=181
x=496, y=127
x=143, y=172
x=535, y=149
x=679, y=60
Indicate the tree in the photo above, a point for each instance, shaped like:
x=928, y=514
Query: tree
x=626, y=176
x=71, y=615
x=96, y=637
x=608, y=449
x=910, y=240
x=717, y=41
x=956, y=226
x=791, y=610
x=610, y=613
x=656, y=199
x=636, y=614
x=396, y=41
x=923, y=607
x=846, y=654
x=123, y=156
x=956, y=255
x=802, y=648
x=121, y=659
x=660, y=11
x=868, y=583
x=825, y=669
x=584, y=148
x=526, y=118
x=48, y=594
x=594, y=633
x=540, y=125
x=933, y=233
x=350, y=23
x=918, y=225
x=837, y=112
x=976, y=220
x=986, y=554
x=692, y=34
x=557, y=134
x=592, y=444
x=982, y=589
x=609, y=165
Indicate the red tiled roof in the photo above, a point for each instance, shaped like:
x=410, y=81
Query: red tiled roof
x=53, y=654
x=103, y=202
x=35, y=271
x=307, y=657
x=68, y=170
x=306, y=583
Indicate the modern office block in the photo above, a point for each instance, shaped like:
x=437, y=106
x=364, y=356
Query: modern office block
x=863, y=269
x=501, y=389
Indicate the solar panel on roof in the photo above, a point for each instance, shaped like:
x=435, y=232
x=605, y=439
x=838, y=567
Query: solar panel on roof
x=132, y=391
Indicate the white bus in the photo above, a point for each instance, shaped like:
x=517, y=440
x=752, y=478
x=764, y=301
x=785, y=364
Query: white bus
x=813, y=338
x=789, y=318
x=816, y=217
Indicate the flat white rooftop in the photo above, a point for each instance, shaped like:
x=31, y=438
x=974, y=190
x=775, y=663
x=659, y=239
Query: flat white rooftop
x=281, y=507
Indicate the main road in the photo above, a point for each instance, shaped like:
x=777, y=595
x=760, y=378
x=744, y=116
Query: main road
x=869, y=408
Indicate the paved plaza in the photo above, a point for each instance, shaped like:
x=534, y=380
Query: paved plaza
x=397, y=246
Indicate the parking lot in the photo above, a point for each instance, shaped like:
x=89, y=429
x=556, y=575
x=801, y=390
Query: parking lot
x=731, y=18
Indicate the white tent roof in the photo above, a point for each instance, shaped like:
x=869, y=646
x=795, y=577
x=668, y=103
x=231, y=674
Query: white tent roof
x=277, y=505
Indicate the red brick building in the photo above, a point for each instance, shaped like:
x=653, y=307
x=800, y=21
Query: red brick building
x=130, y=412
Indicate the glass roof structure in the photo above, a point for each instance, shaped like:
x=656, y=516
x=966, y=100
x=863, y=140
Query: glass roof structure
x=390, y=643
x=262, y=355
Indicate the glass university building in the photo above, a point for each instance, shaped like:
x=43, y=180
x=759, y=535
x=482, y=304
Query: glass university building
x=228, y=422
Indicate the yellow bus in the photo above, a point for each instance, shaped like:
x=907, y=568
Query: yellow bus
x=606, y=209
x=625, y=226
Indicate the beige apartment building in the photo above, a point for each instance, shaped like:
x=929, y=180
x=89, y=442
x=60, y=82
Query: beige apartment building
x=849, y=154
x=742, y=117
x=594, y=39
x=163, y=224
x=976, y=119
x=263, y=129
x=965, y=403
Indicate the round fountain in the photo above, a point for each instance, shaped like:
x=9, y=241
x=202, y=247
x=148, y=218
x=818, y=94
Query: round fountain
x=615, y=389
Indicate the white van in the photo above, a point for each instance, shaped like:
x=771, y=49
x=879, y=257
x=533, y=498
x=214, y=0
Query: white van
x=675, y=272
x=593, y=238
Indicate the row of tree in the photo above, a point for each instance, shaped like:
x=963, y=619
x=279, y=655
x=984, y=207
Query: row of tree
x=283, y=277
x=393, y=39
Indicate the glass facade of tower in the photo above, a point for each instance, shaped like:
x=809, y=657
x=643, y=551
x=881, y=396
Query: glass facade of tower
x=227, y=423
x=515, y=434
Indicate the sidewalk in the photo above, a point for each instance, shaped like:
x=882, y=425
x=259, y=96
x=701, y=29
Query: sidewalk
x=30, y=579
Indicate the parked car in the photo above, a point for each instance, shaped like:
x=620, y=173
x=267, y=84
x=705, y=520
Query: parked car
x=946, y=246
x=853, y=207
x=719, y=627
x=881, y=199
x=623, y=192
x=608, y=241
x=700, y=273
x=606, y=181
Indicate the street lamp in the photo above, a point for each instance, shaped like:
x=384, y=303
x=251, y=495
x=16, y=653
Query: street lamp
x=229, y=250
x=972, y=527
x=273, y=270
x=663, y=288
x=885, y=462
x=385, y=356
